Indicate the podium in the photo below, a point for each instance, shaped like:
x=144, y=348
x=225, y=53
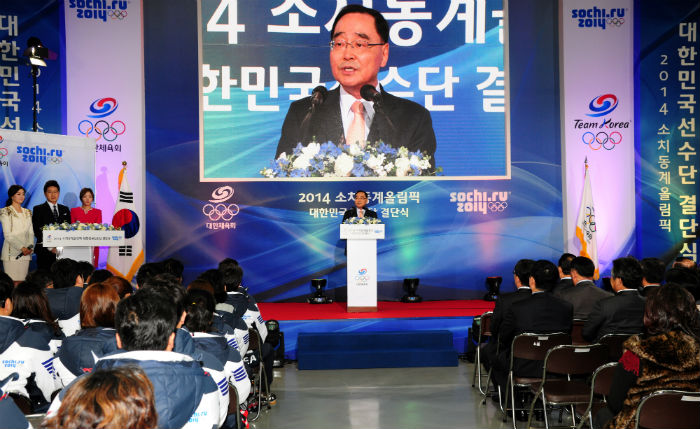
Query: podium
x=362, y=264
x=78, y=245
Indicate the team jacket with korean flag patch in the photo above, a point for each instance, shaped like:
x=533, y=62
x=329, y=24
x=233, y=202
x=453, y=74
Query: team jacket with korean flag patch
x=26, y=352
x=79, y=352
x=217, y=346
x=185, y=395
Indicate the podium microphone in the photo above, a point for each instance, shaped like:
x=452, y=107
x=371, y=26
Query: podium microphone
x=370, y=93
x=30, y=247
x=318, y=96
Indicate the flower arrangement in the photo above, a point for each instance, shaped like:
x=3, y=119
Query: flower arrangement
x=350, y=160
x=79, y=226
x=363, y=220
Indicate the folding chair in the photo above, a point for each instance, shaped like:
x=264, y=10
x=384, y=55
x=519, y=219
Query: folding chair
x=600, y=389
x=533, y=347
x=669, y=409
x=484, y=335
x=567, y=360
x=257, y=374
x=614, y=343
x=577, y=332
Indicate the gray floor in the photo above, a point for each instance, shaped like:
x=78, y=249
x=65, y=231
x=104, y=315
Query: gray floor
x=399, y=398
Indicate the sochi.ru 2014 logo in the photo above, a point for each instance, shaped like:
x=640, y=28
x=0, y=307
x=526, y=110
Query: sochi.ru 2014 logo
x=3, y=154
x=219, y=212
x=483, y=202
x=98, y=126
x=607, y=133
x=100, y=9
x=599, y=17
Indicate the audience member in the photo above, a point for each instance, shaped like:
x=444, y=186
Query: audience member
x=622, y=313
x=99, y=276
x=185, y=395
x=12, y=416
x=95, y=338
x=686, y=277
x=119, y=397
x=585, y=293
x=685, y=262
x=85, y=269
x=174, y=267
x=148, y=271
x=666, y=356
x=41, y=278
x=64, y=296
x=121, y=285
x=564, y=269
x=653, y=270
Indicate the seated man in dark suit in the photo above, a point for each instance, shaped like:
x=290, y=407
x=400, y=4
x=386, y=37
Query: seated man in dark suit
x=359, y=48
x=360, y=209
x=653, y=270
x=584, y=293
x=521, y=278
x=564, y=268
x=622, y=313
x=541, y=313
x=65, y=293
x=45, y=214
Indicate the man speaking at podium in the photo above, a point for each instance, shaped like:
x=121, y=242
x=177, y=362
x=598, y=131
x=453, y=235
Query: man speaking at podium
x=360, y=209
x=359, y=110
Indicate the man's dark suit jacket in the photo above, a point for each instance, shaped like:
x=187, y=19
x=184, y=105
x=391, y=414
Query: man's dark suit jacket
x=563, y=285
x=583, y=296
x=503, y=305
x=646, y=290
x=541, y=313
x=412, y=124
x=622, y=313
x=42, y=215
x=353, y=213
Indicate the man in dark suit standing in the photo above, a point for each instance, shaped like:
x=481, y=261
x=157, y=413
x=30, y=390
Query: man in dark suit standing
x=622, y=313
x=360, y=209
x=359, y=48
x=585, y=293
x=564, y=268
x=45, y=214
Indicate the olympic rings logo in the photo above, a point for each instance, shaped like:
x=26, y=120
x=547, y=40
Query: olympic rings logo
x=590, y=216
x=361, y=278
x=497, y=206
x=220, y=211
x=104, y=129
x=118, y=14
x=55, y=160
x=3, y=152
x=602, y=139
x=616, y=21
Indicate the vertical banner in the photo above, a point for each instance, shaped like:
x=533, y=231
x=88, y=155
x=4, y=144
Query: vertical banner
x=598, y=107
x=667, y=57
x=104, y=80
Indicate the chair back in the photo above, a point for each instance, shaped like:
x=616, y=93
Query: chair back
x=614, y=343
x=575, y=360
x=485, y=325
x=535, y=346
x=603, y=378
x=669, y=409
x=577, y=332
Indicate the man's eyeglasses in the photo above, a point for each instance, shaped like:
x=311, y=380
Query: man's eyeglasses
x=360, y=198
x=359, y=44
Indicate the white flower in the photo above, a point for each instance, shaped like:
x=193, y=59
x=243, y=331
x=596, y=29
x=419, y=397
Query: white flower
x=343, y=165
x=311, y=150
x=302, y=162
x=415, y=161
x=354, y=149
x=283, y=155
x=402, y=166
x=374, y=162
x=388, y=167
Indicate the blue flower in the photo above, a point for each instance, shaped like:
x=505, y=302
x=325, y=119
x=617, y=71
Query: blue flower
x=299, y=172
x=358, y=170
x=385, y=148
x=297, y=149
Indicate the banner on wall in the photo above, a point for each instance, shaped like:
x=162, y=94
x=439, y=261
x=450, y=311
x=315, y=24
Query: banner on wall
x=597, y=122
x=104, y=77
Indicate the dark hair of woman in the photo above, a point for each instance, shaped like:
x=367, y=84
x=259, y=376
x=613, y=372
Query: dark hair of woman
x=12, y=191
x=98, y=305
x=85, y=191
x=29, y=302
x=121, y=285
x=200, y=310
x=670, y=307
x=119, y=397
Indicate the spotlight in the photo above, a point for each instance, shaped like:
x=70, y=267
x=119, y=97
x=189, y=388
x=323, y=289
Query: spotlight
x=410, y=286
x=36, y=53
x=493, y=285
x=318, y=297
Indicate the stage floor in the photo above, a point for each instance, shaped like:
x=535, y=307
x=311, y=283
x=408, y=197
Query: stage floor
x=455, y=316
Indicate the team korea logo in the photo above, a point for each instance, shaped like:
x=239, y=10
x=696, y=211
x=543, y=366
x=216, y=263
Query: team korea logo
x=101, y=125
x=219, y=211
x=604, y=133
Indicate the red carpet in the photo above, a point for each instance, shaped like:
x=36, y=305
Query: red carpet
x=385, y=310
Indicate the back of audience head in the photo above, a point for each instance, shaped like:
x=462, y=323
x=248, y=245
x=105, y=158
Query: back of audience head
x=200, y=310
x=227, y=263
x=98, y=305
x=671, y=307
x=564, y=264
x=629, y=271
x=523, y=270
x=146, y=321
x=7, y=285
x=120, y=284
x=86, y=269
x=544, y=275
x=583, y=267
x=41, y=278
x=682, y=275
x=119, y=397
x=29, y=302
x=65, y=273
x=216, y=279
x=99, y=276
x=683, y=261
x=147, y=271
x=653, y=270
x=168, y=287
x=174, y=267
x=232, y=276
